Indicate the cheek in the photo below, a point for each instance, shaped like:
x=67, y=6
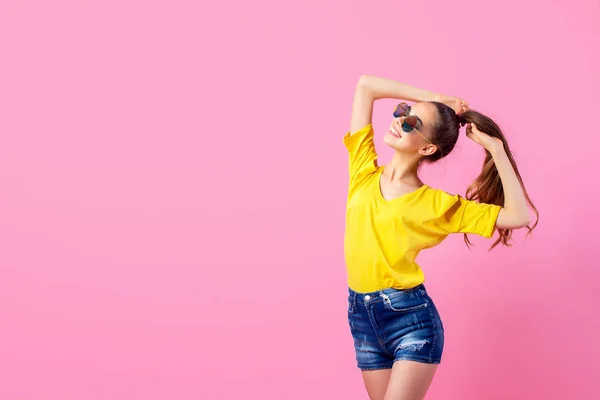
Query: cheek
x=408, y=141
x=413, y=140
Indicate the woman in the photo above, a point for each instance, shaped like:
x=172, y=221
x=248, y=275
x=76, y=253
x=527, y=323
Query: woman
x=392, y=215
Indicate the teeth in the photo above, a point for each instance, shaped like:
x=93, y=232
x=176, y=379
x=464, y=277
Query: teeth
x=395, y=132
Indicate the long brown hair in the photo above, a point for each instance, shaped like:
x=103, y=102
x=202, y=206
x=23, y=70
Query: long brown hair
x=487, y=187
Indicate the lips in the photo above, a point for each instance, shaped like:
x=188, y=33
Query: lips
x=395, y=132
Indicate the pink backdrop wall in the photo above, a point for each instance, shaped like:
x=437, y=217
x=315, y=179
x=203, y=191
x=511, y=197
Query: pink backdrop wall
x=173, y=186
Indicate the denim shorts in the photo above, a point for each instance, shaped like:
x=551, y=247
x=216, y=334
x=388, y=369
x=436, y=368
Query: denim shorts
x=393, y=324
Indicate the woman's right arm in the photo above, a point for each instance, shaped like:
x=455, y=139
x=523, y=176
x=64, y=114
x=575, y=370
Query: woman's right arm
x=370, y=88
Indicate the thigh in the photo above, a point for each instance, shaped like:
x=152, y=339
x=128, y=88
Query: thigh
x=410, y=380
x=376, y=382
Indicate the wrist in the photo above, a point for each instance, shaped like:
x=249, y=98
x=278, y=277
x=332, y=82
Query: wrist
x=496, y=150
x=439, y=97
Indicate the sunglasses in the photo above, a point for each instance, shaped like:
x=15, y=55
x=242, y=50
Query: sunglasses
x=410, y=121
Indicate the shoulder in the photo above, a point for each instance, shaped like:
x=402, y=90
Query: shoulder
x=441, y=200
x=365, y=132
x=441, y=195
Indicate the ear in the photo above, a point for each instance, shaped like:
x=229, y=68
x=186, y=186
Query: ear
x=428, y=150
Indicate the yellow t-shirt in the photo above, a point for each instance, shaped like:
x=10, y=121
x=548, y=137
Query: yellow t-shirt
x=383, y=238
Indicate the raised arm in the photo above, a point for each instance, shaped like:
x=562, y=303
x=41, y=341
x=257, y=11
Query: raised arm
x=370, y=88
x=515, y=212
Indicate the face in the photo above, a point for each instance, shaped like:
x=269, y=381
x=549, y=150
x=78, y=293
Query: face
x=417, y=140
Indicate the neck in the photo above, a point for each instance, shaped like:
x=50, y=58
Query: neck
x=403, y=168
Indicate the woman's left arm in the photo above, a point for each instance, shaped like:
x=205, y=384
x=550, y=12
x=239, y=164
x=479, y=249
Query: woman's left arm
x=515, y=213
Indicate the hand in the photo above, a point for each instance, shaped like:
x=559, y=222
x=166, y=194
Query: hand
x=457, y=104
x=488, y=142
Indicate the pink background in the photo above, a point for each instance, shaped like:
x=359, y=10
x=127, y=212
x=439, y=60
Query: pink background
x=174, y=180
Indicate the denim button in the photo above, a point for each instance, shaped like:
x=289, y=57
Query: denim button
x=367, y=298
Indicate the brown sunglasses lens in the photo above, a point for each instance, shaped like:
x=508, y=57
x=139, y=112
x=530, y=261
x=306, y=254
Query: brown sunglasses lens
x=411, y=121
x=401, y=109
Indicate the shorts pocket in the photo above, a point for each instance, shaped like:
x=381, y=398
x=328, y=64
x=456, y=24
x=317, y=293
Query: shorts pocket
x=395, y=304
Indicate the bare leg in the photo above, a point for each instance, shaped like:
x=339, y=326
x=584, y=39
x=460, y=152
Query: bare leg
x=410, y=380
x=376, y=382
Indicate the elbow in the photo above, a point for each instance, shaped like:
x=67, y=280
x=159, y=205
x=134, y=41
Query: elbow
x=524, y=220
x=362, y=82
x=512, y=219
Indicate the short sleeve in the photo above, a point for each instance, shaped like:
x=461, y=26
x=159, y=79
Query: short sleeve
x=468, y=216
x=362, y=157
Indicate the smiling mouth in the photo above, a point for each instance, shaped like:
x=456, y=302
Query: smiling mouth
x=395, y=132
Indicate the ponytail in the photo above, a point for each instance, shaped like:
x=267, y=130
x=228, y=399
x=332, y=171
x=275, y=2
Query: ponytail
x=487, y=187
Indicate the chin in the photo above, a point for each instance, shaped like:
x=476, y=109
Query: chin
x=393, y=142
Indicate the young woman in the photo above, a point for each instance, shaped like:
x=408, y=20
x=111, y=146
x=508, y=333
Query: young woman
x=392, y=215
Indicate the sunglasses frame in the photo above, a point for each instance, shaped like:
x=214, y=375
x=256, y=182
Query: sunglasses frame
x=413, y=126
